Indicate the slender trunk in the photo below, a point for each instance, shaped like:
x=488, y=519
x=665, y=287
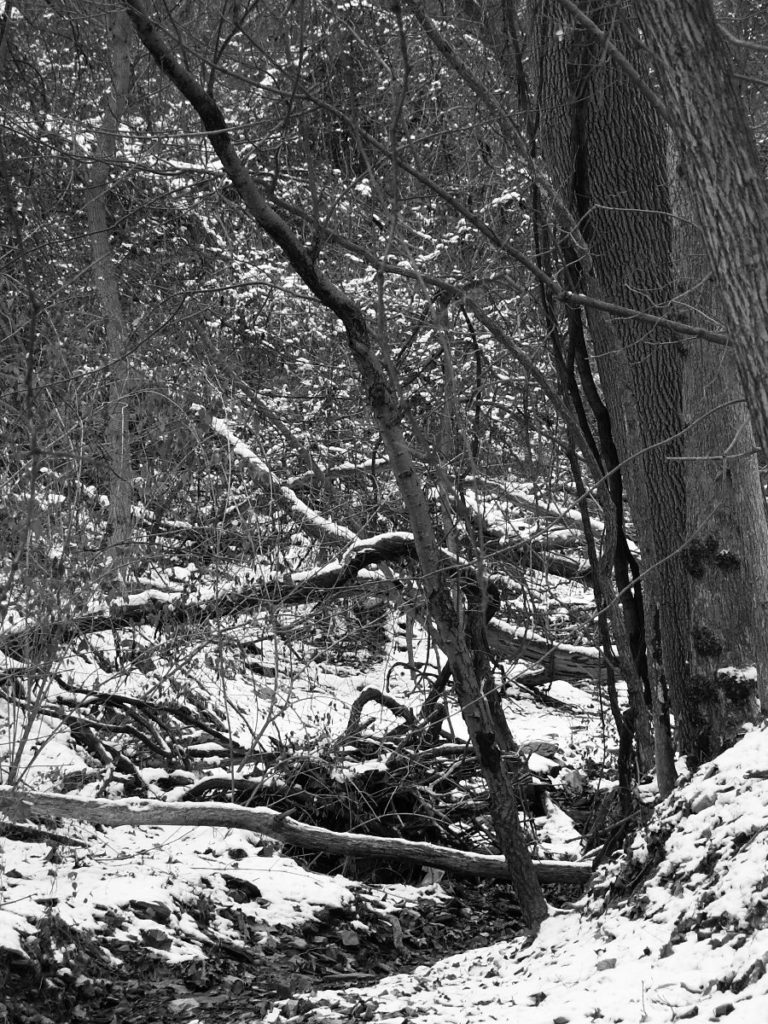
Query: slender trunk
x=106, y=286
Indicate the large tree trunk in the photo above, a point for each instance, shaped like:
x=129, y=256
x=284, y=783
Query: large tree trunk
x=616, y=144
x=727, y=555
x=721, y=167
x=481, y=709
x=604, y=145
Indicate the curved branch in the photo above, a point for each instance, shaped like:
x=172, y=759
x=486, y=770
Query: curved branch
x=372, y=693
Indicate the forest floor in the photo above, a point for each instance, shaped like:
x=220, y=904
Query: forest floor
x=145, y=924
x=211, y=925
x=375, y=934
x=139, y=924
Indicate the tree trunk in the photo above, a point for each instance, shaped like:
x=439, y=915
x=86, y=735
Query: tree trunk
x=278, y=825
x=721, y=167
x=604, y=145
x=105, y=283
x=487, y=728
x=727, y=556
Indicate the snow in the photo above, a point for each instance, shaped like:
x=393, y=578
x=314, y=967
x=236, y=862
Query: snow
x=12, y=928
x=166, y=868
x=675, y=925
x=556, y=836
x=690, y=942
x=41, y=750
x=740, y=675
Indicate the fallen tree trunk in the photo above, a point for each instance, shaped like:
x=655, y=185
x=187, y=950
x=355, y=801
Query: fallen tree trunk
x=527, y=554
x=19, y=805
x=562, y=661
x=165, y=608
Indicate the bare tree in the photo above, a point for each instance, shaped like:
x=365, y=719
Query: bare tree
x=480, y=702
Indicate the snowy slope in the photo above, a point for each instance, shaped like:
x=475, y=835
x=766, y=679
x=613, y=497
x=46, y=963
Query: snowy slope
x=690, y=940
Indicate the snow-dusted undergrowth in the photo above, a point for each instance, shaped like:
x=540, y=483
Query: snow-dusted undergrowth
x=673, y=930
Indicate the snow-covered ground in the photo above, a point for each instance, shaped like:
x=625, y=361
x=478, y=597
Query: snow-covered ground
x=691, y=940
x=673, y=930
x=129, y=881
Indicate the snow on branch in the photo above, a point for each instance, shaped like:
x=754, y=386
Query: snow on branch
x=312, y=522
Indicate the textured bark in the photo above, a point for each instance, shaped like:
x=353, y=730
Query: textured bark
x=19, y=804
x=727, y=556
x=604, y=144
x=485, y=721
x=722, y=169
x=106, y=286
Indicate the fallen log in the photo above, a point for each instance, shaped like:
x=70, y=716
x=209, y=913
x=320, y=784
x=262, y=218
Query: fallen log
x=164, y=609
x=312, y=522
x=563, y=661
x=18, y=804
